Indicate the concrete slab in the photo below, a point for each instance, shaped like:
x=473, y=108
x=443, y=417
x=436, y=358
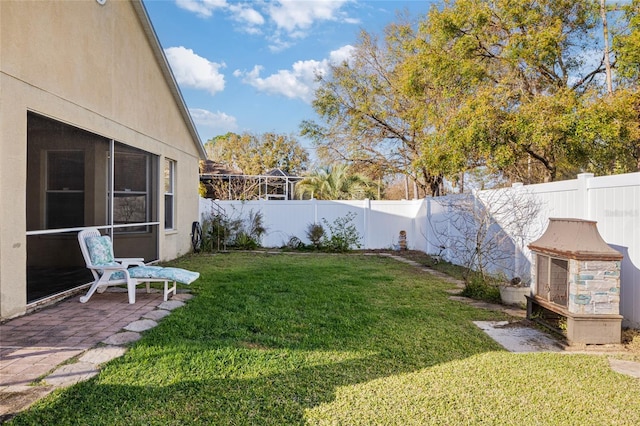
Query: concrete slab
x=102, y=354
x=71, y=374
x=122, y=338
x=517, y=338
x=140, y=325
x=182, y=296
x=630, y=368
x=170, y=305
x=156, y=315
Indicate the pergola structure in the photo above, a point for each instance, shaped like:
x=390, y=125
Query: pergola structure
x=225, y=184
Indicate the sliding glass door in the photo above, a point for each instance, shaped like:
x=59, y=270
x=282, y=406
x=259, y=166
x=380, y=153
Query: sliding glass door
x=76, y=179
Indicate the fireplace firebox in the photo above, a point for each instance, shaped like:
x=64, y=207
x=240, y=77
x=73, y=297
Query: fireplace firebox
x=576, y=282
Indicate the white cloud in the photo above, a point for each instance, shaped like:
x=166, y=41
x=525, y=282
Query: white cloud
x=217, y=122
x=246, y=15
x=345, y=53
x=203, y=8
x=277, y=44
x=300, y=82
x=195, y=71
x=295, y=14
x=280, y=20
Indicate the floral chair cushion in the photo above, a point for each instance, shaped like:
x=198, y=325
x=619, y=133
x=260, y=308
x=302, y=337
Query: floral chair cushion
x=100, y=250
x=182, y=276
x=137, y=272
x=157, y=272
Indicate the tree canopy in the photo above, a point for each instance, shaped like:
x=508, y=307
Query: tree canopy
x=370, y=120
x=256, y=154
x=516, y=87
x=335, y=183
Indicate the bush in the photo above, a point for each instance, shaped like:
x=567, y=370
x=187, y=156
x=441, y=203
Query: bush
x=217, y=231
x=220, y=231
x=343, y=235
x=478, y=288
x=315, y=234
x=250, y=232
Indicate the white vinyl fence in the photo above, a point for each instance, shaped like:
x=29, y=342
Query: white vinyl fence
x=612, y=201
x=378, y=222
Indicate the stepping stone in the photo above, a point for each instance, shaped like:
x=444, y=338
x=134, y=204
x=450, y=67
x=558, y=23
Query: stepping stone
x=170, y=305
x=141, y=325
x=122, y=338
x=182, y=297
x=70, y=374
x=518, y=339
x=156, y=315
x=102, y=354
x=630, y=368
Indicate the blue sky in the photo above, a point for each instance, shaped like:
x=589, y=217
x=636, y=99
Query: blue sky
x=250, y=65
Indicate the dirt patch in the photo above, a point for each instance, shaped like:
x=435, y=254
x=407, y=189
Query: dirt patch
x=631, y=341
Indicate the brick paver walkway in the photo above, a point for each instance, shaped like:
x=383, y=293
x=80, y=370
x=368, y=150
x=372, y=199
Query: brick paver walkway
x=33, y=345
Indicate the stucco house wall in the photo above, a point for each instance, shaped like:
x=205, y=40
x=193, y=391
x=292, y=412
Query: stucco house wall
x=100, y=68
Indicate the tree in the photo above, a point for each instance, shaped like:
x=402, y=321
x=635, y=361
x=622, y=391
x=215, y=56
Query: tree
x=369, y=121
x=610, y=125
x=510, y=86
x=334, y=183
x=627, y=45
x=257, y=154
x=526, y=98
x=483, y=230
x=515, y=73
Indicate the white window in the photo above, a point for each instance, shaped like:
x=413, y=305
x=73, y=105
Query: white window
x=169, y=194
x=131, y=189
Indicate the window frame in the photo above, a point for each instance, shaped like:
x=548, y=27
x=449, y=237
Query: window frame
x=545, y=282
x=169, y=197
x=123, y=226
x=50, y=192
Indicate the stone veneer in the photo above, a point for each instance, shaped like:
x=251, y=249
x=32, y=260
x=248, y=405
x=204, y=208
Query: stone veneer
x=594, y=287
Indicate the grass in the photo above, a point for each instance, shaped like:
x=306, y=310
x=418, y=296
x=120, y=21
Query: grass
x=340, y=340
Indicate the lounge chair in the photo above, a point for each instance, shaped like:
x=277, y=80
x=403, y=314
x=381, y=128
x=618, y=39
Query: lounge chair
x=107, y=270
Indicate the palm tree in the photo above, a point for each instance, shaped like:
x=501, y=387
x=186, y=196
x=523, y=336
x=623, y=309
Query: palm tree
x=334, y=183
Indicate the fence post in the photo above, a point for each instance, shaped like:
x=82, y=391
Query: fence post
x=314, y=203
x=366, y=208
x=427, y=236
x=517, y=250
x=582, y=196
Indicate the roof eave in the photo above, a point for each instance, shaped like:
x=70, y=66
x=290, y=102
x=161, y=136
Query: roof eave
x=158, y=52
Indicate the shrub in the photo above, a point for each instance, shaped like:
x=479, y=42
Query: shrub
x=220, y=231
x=315, y=234
x=481, y=289
x=343, y=235
x=244, y=241
x=217, y=231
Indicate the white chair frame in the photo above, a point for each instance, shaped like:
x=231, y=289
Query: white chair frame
x=102, y=274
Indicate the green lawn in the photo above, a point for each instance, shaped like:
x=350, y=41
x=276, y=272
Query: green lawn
x=340, y=340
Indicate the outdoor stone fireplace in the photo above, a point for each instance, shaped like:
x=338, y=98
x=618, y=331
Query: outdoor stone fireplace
x=576, y=282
